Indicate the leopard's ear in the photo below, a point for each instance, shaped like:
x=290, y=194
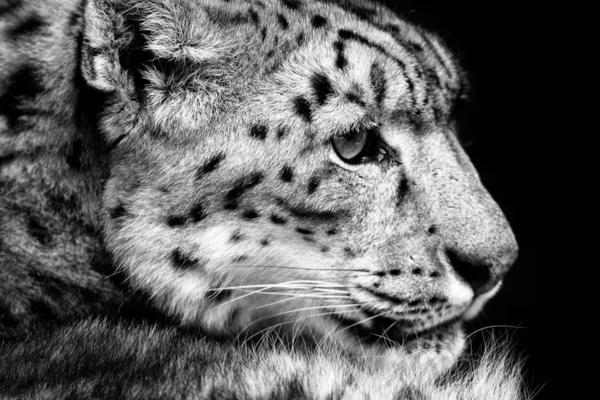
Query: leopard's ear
x=162, y=56
x=113, y=47
x=130, y=43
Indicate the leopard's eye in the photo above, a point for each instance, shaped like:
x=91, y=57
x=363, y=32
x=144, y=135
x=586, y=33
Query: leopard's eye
x=350, y=146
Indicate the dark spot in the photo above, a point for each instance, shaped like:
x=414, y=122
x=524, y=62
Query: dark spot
x=325, y=249
x=415, y=302
x=176, y=220
x=300, y=39
x=376, y=285
x=313, y=184
x=253, y=16
x=283, y=22
x=250, y=214
x=309, y=239
x=23, y=85
x=415, y=47
x=65, y=205
x=304, y=231
x=332, y=232
x=6, y=319
x=198, y=213
x=240, y=259
x=8, y=158
x=395, y=272
x=263, y=34
x=355, y=98
x=318, y=21
x=270, y=53
x=38, y=231
x=31, y=25
x=181, y=260
x=349, y=252
x=346, y=34
x=281, y=132
x=432, y=230
x=278, y=220
x=236, y=237
x=417, y=271
x=287, y=174
x=378, y=82
x=218, y=295
x=304, y=212
x=41, y=308
x=117, y=212
x=380, y=274
x=340, y=58
x=402, y=191
x=265, y=242
x=240, y=187
x=113, y=145
x=210, y=166
x=75, y=18
x=259, y=132
x=74, y=156
x=293, y=4
x=435, y=274
x=302, y=108
x=435, y=300
x=321, y=87
x=230, y=320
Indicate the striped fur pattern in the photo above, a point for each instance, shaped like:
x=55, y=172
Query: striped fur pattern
x=184, y=155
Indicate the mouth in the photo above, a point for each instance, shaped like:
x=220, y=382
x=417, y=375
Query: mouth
x=382, y=330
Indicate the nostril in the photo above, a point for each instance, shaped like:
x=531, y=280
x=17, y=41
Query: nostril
x=477, y=275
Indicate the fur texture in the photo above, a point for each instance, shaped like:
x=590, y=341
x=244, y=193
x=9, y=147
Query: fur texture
x=100, y=360
x=247, y=168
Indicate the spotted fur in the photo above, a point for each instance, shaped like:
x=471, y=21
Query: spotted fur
x=181, y=154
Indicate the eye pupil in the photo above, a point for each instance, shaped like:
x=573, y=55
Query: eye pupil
x=349, y=146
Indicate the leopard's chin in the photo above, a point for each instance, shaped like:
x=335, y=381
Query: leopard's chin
x=433, y=349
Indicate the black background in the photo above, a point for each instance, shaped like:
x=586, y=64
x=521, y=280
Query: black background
x=504, y=51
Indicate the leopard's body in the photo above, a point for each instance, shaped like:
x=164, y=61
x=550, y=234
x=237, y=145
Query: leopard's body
x=261, y=168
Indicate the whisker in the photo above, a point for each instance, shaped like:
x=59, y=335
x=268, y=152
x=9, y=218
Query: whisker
x=274, y=303
x=286, y=284
x=386, y=331
x=386, y=338
x=312, y=308
x=299, y=268
x=493, y=327
x=299, y=295
x=263, y=288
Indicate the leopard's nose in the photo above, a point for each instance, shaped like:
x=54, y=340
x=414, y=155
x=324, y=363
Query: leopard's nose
x=482, y=273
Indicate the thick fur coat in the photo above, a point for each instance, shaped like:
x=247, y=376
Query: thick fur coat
x=282, y=179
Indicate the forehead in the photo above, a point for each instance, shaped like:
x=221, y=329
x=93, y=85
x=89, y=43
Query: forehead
x=331, y=68
x=344, y=80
